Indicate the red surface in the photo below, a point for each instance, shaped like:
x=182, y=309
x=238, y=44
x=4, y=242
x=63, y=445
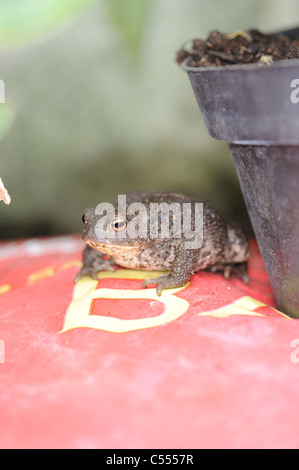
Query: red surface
x=198, y=381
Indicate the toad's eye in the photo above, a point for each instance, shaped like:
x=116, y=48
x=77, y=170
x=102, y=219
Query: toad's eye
x=84, y=219
x=119, y=224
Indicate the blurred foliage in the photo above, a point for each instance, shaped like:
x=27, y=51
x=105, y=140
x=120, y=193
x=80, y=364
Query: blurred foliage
x=26, y=20
x=129, y=17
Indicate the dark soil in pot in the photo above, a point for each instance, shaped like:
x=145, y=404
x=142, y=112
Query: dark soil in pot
x=240, y=47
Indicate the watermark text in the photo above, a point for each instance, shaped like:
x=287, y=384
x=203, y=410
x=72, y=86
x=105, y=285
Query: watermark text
x=295, y=354
x=155, y=220
x=295, y=93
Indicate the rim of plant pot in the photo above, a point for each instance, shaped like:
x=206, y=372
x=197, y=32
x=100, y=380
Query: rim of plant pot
x=243, y=67
x=250, y=104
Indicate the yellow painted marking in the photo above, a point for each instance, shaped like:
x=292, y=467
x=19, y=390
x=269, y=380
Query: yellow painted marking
x=5, y=288
x=243, y=306
x=41, y=274
x=85, y=291
x=70, y=264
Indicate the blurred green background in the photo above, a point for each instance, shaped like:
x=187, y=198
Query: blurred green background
x=96, y=106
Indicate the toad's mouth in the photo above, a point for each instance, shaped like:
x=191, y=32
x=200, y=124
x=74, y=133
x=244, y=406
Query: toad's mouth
x=110, y=249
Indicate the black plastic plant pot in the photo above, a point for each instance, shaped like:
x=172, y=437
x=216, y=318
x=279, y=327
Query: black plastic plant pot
x=255, y=109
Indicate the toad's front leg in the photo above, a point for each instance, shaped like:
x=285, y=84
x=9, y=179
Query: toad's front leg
x=94, y=261
x=181, y=271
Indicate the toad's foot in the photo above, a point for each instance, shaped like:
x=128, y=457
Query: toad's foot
x=240, y=269
x=94, y=262
x=164, y=281
x=92, y=271
x=182, y=269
